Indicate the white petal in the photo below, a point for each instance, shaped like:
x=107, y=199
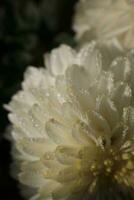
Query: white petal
x=121, y=69
x=57, y=132
x=108, y=110
x=59, y=59
x=122, y=96
x=89, y=57
x=32, y=174
x=78, y=82
x=37, y=78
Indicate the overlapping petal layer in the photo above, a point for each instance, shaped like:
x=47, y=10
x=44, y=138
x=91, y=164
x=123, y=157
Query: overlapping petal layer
x=105, y=21
x=73, y=124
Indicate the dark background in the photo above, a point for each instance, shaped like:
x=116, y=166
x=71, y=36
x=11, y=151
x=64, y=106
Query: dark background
x=28, y=28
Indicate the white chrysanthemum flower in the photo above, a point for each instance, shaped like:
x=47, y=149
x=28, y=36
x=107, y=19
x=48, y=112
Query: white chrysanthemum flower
x=73, y=126
x=105, y=21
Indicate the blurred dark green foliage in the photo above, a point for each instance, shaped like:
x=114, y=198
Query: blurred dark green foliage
x=28, y=28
